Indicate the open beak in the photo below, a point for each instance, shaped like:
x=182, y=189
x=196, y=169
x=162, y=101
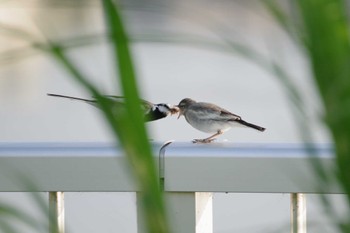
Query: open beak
x=180, y=114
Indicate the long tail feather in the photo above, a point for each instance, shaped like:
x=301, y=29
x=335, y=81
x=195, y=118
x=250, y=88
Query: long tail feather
x=73, y=98
x=262, y=129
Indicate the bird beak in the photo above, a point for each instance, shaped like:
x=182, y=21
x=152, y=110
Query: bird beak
x=180, y=114
x=174, y=110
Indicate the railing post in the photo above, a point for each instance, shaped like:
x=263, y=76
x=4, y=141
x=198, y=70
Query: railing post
x=56, y=212
x=188, y=212
x=298, y=212
x=204, y=212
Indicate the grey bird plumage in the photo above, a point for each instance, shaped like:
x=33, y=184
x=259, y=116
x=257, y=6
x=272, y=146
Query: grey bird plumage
x=151, y=111
x=210, y=118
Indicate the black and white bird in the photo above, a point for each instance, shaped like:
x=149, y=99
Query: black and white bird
x=210, y=118
x=151, y=111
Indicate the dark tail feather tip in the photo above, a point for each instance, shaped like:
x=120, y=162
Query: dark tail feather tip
x=262, y=129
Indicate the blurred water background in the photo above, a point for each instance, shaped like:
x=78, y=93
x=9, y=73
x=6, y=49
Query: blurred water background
x=180, y=50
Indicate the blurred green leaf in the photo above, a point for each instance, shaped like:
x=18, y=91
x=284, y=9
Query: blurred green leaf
x=328, y=46
x=135, y=141
x=10, y=212
x=324, y=35
x=127, y=124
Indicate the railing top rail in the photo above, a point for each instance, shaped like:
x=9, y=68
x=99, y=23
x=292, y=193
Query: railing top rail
x=184, y=167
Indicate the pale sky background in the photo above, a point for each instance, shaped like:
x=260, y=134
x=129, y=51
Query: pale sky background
x=167, y=72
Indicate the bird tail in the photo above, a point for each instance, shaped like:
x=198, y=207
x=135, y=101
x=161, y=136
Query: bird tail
x=73, y=98
x=262, y=129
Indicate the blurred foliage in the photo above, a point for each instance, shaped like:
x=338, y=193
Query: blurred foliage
x=14, y=219
x=322, y=29
x=132, y=133
x=319, y=27
x=127, y=124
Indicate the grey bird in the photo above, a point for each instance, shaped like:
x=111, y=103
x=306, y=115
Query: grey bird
x=151, y=111
x=210, y=118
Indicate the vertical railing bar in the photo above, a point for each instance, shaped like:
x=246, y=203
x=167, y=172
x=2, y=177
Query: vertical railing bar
x=298, y=213
x=56, y=212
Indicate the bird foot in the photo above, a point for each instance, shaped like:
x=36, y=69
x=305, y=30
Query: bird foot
x=205, y=140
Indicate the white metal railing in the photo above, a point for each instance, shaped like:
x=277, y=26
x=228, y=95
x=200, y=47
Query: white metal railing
x=189, y=174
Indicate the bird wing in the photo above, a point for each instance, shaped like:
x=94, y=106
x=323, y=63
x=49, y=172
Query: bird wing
x=211, y=111
x=118, y=102
x=115, y=98
x=229, y=115
x=146, y=105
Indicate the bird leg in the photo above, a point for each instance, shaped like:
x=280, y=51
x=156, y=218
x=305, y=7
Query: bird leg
x=209, y=139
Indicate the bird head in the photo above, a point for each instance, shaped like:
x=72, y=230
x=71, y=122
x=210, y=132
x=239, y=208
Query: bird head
x=167, y=109
x=183, y=105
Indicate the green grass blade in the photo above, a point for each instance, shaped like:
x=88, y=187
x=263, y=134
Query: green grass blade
x=328, y=44
x=324, y=35
x=136, y=145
